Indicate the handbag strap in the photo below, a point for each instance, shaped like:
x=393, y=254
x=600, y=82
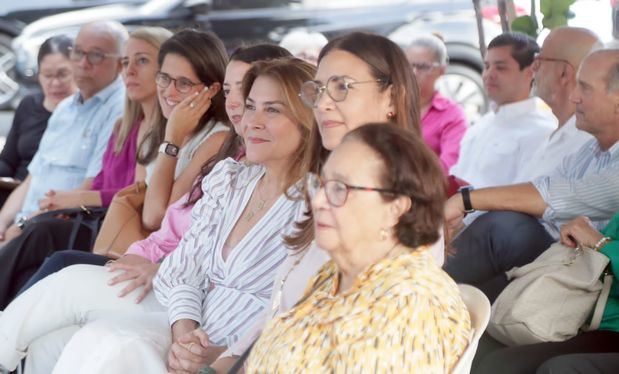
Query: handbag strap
x=600, y=305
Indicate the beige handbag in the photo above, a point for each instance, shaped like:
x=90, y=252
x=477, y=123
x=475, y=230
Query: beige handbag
x=122, y=225
x=552, y=298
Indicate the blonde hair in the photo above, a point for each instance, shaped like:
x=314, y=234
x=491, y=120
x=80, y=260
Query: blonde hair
x=154, y=36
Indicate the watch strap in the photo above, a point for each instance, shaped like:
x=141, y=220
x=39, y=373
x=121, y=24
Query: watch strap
x=169, y=149
x=466, y=199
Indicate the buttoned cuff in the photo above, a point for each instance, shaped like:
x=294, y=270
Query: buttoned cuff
x=185, y=302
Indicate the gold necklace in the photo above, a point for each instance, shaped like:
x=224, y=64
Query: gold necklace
x=261, y=204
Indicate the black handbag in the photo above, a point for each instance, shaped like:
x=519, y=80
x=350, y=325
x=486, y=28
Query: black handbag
x=90, y=218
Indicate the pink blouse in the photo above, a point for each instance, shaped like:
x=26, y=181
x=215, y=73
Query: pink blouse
x=443, y=127
x=165, y=240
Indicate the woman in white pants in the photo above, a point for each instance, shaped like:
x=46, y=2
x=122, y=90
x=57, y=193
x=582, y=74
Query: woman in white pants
x=217, y=282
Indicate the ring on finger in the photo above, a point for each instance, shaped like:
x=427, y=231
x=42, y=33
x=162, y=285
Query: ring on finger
x=190, y=345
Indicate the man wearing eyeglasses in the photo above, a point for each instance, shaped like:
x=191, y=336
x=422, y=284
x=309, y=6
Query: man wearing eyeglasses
x=443, y=122
x=555, y=68
x=501, y=142
x=71, y=151
x=525, y=218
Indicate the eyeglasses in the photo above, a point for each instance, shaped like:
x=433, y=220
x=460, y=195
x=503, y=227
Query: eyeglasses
x=336, y=87
x=537, y=61
x=183, y=85
x=62, y=75
x=424, y=67
x=337, y=191
x=94, y=57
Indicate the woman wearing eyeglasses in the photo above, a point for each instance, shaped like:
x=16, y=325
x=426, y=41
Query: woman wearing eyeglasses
x=382, y=304
x=361, y=77
x=30, y=120
x=443, y=122
x=224, y=265
x=128, y=150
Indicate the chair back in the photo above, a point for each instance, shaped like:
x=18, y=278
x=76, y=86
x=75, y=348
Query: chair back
x=479, y=308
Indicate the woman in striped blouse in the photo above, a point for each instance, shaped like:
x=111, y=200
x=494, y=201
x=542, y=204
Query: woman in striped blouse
x=220, y=278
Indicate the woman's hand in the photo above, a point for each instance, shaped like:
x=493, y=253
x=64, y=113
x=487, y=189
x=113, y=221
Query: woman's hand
x=580, y=231
x=136, y=269
x=186, y=115
x=188, y=353
x=55, y=200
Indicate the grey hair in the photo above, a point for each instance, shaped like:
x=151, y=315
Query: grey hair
x=613, y=78
x=120, y=34
x=434, y=44
x=115, y=29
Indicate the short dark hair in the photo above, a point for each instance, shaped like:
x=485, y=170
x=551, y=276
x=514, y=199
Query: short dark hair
x=259, y=52
x=55, y=44
x=413, y=170
x=523, y=46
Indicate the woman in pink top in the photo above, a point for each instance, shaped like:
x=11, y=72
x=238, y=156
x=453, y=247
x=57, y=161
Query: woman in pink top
x=443, y=122
x=142, y=259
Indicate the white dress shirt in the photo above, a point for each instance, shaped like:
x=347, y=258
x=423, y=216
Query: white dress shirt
x=562, y=142
x=502, y=141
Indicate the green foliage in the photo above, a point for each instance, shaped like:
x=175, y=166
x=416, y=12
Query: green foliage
x=555, y=13
x=525, y=24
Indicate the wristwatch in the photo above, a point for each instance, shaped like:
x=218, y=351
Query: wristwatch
x=169, y=149
x=21, y=222
x=466, y=199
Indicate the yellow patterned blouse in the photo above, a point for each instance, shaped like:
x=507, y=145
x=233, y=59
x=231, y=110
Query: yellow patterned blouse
x=402, y=315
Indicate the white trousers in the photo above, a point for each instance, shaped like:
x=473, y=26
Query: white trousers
x=43, y=318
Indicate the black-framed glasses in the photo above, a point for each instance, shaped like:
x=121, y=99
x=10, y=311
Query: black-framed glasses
x=424, y=67
x=94, y=57
x=337, y=191
x=183, y=85
x=337, y=88
x=538, y=59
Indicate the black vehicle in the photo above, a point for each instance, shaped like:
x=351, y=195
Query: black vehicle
x=242, y=21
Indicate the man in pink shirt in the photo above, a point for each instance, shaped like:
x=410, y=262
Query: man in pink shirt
x=443, y=122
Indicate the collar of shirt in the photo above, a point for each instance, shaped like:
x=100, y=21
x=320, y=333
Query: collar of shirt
x=516, y=109
x=439, y=102
x=100, y=96
x=567, y=131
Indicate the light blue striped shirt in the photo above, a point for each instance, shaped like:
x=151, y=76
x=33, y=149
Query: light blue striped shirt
x=73, y=144
x=586, y=183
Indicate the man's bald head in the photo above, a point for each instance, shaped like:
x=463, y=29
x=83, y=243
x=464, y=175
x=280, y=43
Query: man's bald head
x=571, y=44
x=597, y=96
x=556, y=66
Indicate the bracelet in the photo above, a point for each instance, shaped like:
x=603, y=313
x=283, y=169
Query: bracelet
x=601, y=243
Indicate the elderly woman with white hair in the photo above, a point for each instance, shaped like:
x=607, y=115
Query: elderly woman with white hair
x=443, y=122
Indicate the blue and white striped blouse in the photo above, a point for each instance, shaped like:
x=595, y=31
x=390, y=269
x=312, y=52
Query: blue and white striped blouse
x=586, y=183
x=226, y=297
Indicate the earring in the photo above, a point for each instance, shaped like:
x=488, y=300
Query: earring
x=390, y=115
x=384, y=234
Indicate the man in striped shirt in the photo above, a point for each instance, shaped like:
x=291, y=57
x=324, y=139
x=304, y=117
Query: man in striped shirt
x=524, y=219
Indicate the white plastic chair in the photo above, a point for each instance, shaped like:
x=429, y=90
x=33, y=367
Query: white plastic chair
x=479, y=308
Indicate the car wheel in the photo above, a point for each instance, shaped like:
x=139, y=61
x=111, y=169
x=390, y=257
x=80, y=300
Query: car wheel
x=8, y=86
x=463, y=85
